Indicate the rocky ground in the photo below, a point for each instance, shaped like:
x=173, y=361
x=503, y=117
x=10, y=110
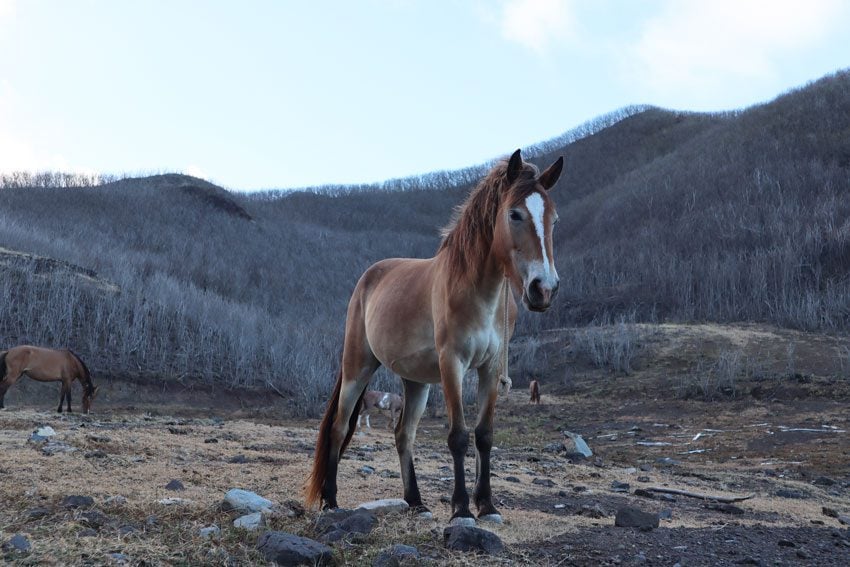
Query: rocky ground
x=152, y=481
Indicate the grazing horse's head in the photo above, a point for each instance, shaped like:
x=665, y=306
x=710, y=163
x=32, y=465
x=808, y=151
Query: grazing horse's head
x=88, y=397
x=523, y=231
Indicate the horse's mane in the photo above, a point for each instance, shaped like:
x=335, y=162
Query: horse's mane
x=469, y=235
x=88, y=382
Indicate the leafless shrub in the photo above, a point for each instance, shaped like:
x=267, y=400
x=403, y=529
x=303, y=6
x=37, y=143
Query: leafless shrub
x=613, y=347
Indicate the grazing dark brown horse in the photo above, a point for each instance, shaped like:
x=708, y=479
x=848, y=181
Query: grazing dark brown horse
x=534, y=389
x=46, y=365
x=431, y=320
x=373, y=400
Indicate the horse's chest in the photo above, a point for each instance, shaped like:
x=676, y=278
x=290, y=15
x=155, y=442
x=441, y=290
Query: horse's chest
x=482, y=346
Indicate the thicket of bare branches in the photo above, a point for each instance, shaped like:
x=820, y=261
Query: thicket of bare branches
x=664, y=216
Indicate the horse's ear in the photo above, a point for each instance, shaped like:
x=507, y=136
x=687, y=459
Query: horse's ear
x=549, y=177
x=514, y=166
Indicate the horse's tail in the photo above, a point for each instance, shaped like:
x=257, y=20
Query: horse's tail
x=313, y=486
x=86, y=374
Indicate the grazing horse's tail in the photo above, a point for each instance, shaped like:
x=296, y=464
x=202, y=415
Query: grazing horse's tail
x=313, y=486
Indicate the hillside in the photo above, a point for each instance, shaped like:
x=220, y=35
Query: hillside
x=665, y=215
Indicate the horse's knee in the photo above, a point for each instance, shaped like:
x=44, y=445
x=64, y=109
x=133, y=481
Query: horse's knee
x=483, y=438
x=458, y=441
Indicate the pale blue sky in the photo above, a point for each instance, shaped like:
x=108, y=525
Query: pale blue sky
x=287, y=94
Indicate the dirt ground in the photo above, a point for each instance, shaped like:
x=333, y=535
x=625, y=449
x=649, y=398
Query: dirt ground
x=789, y=451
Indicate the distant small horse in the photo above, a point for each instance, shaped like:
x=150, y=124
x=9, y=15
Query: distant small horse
x=431, y=320
x=534, y=389
x=374, y=400
x=46, y=365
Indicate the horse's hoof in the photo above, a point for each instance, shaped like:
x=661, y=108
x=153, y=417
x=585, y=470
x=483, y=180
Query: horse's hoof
x=465, y=521
x=491, y=518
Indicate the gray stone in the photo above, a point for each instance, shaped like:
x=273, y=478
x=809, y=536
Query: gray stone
x=547, y=482
x=466, y=538
x=288, y=549
x=512, y=479
x=175, y=485
x=36, y=513
x=629, y=517
x=54, y=447
x=94, y=519
x=367, y=470
x=77, y=502
x=396, y=556
x=115, y=501
x=385, y=506
x=579, y=445
x=245, y=501
x=618, y=486
x=250, y=522
x=18, y=543
x=209, y=532
x=345, y=524
x=787, y=493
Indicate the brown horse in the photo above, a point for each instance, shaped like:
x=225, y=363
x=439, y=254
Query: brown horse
x=431, y=320
x=534, y=389
x=46, y=365
x=374, y=400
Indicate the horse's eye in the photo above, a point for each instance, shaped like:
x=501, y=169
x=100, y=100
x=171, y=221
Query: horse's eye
x=515, y=215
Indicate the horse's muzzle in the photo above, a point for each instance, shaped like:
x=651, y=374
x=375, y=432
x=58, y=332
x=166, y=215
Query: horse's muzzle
x=538, y=296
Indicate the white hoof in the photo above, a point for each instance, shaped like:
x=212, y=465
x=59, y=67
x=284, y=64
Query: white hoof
x=491, y=518
x=465, y=522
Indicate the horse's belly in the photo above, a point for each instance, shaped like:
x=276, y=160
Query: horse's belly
x=420, y=366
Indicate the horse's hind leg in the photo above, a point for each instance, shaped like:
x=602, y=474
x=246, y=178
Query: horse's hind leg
x=65, y=392
x=357, y=369
x=415, y=399
x=68, y=395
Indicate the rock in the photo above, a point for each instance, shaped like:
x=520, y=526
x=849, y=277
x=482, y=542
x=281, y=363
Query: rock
x=96, y=454
x=77, y=502
x=665, y=514
x=37, y=513
x=829, y=512
x=594, y=511
x=466, y=538
x=45, y=431
x=291, y=509
x=175, y=485
x=18, y=543
x=725, y=508
x=786, y=543
x=94, y=519
x=238, y=459
x=786, y=493
x=643, y=479
x=553, y=447
x=366, y=470
x=578, y=445
x=396, y=556
x=245, y=501
x=643, y=493
x=209, y=532
x=618, y=486
x=547, y=482
x=115, y=501
x=173, y=501
x=645, y=467
x=387, y=473
x=511, y=479
x=250, y=522
x=628, y=517
x=385, y=506
x=667, y=461
x=87, y=532
x=844, y=519
x=343, y=524
x=120, y=558
x=53, y=447
x=287, y=549
x=823, y=481
x=211, y=440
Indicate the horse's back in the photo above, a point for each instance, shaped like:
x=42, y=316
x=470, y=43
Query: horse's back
x=40, y=363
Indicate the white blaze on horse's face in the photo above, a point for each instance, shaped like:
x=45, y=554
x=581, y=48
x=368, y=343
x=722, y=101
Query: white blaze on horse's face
x=533, y=256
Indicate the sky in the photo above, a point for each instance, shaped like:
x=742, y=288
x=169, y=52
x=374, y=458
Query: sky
x=285, y=94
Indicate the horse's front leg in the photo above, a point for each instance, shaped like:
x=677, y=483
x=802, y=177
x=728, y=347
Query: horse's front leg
x=488, y=391
x=62, y=394
x=451, y=374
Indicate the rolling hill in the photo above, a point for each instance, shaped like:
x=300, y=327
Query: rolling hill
x=665, y=215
